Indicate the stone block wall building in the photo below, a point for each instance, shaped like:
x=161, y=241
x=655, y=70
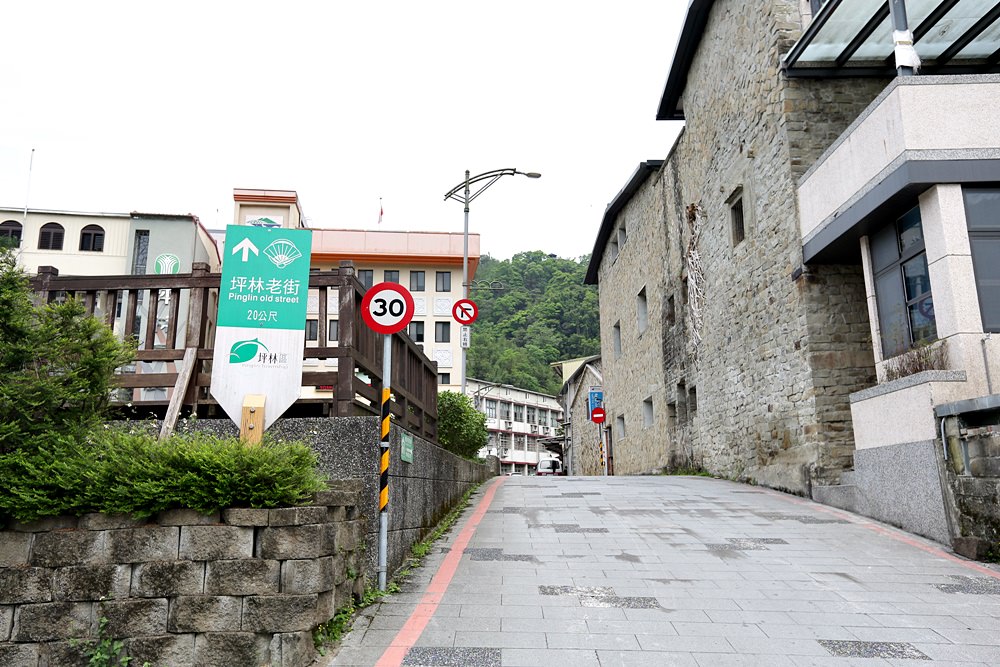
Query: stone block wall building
x=738, y=335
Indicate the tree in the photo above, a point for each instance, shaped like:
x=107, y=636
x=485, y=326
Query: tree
x=56, y=363
x=461, y=428
x=544, y=313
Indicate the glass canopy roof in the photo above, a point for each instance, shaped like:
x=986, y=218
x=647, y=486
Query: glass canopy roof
x=854, y=38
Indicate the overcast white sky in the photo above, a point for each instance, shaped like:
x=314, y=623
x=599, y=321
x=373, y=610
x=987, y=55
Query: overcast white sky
x=167, y=107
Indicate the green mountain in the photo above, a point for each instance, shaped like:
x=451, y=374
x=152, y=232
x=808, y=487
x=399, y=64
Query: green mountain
x=533, y=310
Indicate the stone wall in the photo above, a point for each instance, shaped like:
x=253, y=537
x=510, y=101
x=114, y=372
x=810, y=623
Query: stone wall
x=974, y=480
x=240, y=587
x=420, y=493
x=756, y=386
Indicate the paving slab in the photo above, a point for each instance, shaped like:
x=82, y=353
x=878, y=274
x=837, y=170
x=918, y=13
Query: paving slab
x=686, y=571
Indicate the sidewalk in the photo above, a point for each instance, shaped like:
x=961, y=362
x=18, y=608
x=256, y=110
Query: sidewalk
x=688, y=571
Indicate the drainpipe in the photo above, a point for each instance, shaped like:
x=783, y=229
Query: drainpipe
x=986, y=364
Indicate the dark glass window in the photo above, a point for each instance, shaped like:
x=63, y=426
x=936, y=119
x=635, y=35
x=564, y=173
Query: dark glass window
x=416, y=281
x=902, y=285
x=51, y=236
x=982, y=214
x=442, y=332
x=367, y=277
x=92, y=239
x=312, y=329
x=11, y=229
x=391, y=276
x=444, y=378
x=417, y=332
x=333, y=331
x=444, y=281
x=140, y=253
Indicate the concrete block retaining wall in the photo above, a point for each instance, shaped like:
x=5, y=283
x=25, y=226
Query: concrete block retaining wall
x=238, y=587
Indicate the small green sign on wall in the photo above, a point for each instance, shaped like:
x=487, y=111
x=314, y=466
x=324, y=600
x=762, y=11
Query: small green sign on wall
x=406, y=447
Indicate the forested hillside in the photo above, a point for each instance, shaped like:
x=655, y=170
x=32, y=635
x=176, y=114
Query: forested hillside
x=542, y=313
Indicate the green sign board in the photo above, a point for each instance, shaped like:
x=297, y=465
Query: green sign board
x=265, y=278
x=406, y=447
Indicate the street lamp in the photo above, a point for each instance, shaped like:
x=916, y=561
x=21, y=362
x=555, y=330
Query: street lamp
x=462, y=193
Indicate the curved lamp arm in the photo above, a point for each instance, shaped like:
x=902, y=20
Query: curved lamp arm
x=490, y=177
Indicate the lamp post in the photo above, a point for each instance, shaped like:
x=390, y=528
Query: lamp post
x=463, y=193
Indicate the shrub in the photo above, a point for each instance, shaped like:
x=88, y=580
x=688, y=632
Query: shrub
x=461, y=428
x=56, y=364
x=116, y=472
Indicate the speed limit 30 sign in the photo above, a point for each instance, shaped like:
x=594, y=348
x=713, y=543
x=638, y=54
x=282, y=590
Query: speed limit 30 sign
x=387, y=308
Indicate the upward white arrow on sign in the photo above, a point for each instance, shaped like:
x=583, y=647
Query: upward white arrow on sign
x=247, y=246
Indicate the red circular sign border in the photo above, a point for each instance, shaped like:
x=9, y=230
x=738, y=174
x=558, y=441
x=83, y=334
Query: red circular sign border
x=475, y=309
x=593, y=413
x=374, y=291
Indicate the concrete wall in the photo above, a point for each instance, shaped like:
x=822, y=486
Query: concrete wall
x=913, y=115
x=240, y=587
x=898, y=484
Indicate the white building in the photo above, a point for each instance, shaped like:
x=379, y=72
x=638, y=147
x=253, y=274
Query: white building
x=518, y=421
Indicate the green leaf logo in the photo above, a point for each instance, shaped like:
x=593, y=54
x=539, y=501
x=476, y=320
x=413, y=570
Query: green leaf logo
x=245, y=350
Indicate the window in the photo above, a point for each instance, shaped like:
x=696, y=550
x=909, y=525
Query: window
x=613, y=249
x=620, y=426
x=333, y=331
x=738, y=229
x=491, y=408
x=416, y=332
x=647, y=412
x=416, y=281
x=140, y=252
x=444, y=378
x=367, y=277
x=671, y=311
x=616, y=339
x=642, y=310
x=531, y=416
x=390, y=276
x=312, y=329
x=51, y=236
x=443, y=281
x=442, y=332
x=504, y=410
x=92, y=239
x=10, y=229
x=519, y=413
x=983, y=219
x=622, y=236
x=902, y=285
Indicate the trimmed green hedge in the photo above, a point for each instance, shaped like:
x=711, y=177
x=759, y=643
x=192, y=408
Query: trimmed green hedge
x=115, y=472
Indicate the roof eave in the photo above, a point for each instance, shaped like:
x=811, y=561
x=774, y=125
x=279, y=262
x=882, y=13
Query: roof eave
x=639, y=176
x=687, y=45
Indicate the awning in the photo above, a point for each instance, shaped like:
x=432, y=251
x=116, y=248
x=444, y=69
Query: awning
x=849, y=38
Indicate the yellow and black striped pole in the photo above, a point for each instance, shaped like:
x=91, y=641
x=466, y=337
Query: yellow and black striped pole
x=383, y=478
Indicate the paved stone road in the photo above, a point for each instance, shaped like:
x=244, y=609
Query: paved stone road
x=687, y=571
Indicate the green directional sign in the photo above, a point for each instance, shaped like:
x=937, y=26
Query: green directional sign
x=406, y=447
x=265, y=278
x=263, y=296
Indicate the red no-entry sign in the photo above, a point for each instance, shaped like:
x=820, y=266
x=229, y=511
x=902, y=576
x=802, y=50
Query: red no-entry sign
x=597, y=415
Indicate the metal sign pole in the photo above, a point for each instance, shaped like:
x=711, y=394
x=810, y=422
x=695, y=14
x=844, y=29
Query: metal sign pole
x=383, y=494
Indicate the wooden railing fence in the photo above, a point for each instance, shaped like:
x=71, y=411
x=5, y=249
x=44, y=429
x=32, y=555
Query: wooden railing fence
x=172, y=371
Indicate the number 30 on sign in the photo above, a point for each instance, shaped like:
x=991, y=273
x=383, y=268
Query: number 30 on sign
x=387, y=307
